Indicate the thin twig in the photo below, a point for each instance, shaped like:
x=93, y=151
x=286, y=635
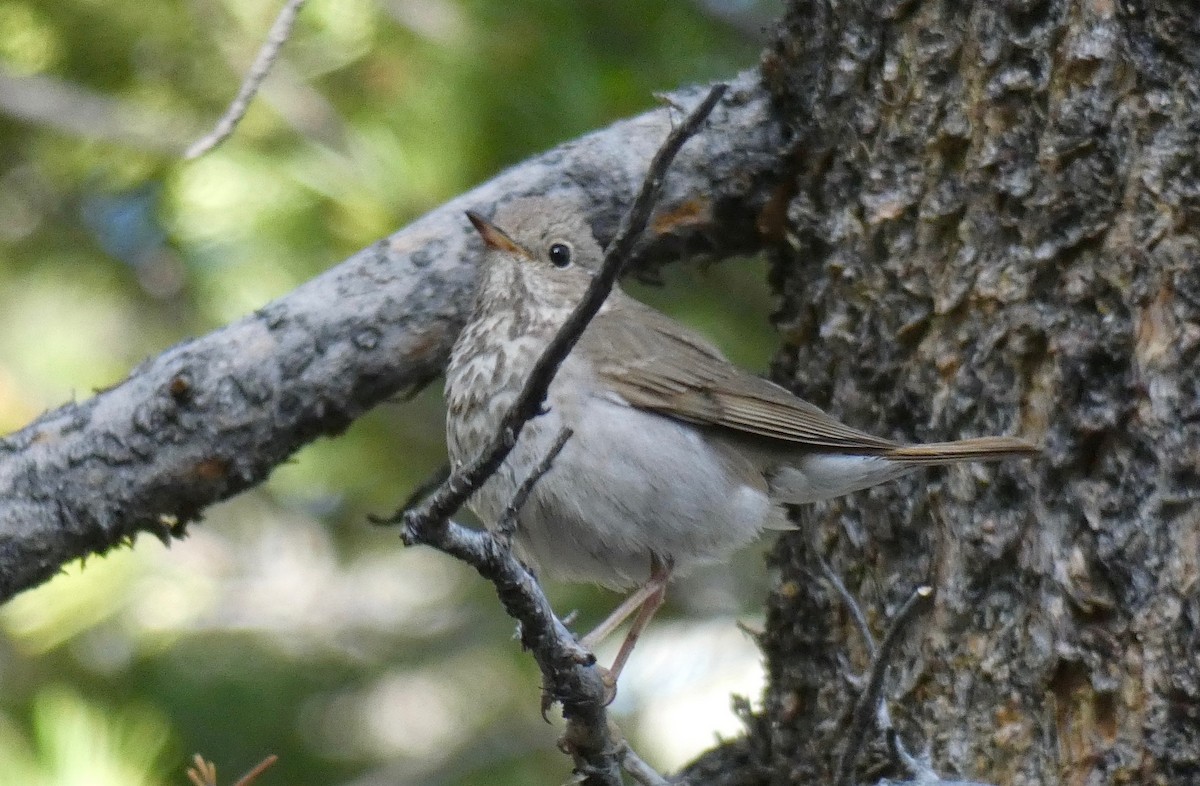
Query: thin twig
x=856, y=613
x=568, y=670
x=204, y=772
x=423, y=490
x=280, y=31
x=506, y=525
x=870, y=696
x=259, y=769
x=917, y=769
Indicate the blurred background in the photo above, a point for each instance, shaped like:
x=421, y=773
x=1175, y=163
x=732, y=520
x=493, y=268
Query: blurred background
x=285, y=623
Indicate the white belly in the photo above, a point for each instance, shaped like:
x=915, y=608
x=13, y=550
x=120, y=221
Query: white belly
x=819, y=476
x=629, y=484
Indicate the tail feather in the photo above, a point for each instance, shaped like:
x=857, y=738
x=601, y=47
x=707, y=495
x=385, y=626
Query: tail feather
x=978, y=449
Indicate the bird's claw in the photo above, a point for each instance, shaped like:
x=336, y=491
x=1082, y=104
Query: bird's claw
x=548, y=699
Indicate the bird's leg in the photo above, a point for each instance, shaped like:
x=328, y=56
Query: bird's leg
x=645, y=600
x=645, y=614
x=619, y=615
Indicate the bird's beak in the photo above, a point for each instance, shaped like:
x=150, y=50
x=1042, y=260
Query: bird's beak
x=495, y=237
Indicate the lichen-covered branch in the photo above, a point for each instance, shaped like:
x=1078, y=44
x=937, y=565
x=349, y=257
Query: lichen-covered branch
x=213, y=416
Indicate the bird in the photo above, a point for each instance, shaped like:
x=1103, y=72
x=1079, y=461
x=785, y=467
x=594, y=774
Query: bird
x=677, y=457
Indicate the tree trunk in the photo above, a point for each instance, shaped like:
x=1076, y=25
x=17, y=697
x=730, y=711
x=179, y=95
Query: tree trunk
x=985, y=225
x=991, y=229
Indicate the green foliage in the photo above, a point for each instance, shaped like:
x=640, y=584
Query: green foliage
x=73, y=742
x=285, y=624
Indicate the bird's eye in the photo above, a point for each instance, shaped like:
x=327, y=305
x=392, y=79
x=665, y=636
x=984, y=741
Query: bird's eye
x=560, y=254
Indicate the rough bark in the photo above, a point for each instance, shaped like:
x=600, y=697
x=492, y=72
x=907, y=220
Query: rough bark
x=993, y=230
x=987, y=227
x=213, y=416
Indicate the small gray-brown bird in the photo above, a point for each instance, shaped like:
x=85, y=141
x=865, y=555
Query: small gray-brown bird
x=678, y=457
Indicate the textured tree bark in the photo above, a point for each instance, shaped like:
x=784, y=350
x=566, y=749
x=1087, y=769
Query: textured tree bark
x=992, y=229
x=985, y=225
x=213, y=416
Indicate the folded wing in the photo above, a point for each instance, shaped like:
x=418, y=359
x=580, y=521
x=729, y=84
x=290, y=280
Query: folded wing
x=654, y=363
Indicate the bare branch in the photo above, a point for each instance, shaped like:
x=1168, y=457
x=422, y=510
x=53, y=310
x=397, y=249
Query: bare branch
x=213, y=416
x=918, y=769
x=870, y=696
x=860, y=621
x=280, y=31
x=257, y=770
x=568, y=670
x=204, y=772
x=506, y=525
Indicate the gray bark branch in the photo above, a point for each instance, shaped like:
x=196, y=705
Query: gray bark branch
x=213, y=416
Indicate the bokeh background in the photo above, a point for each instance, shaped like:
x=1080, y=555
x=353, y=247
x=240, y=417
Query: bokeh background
x=285, y=623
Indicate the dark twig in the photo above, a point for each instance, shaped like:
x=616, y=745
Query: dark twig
x=568, y=670
x=856, y=613
x=930, y=779
x=423, y=490
x=869, y=698
x=450, y=497
x=280, y=31
x=506, y=525
x=918, y=769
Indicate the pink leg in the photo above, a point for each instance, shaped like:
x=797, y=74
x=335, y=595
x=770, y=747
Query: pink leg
x=645, y=600
x=635, y=630
x=620, y=614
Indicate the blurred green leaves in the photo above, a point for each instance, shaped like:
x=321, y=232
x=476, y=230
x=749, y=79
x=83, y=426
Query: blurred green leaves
x=31, y=43
x=285, y=624
x=72, y=742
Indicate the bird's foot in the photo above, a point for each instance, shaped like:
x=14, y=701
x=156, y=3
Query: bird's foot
x=608, y=681
x=608, y=678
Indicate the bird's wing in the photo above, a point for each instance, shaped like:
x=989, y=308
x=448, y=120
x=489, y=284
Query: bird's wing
x=654, y=363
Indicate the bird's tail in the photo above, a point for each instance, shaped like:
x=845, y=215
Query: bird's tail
x=978, y=449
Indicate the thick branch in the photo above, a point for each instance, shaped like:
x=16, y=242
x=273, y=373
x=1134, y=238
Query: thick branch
x=213, y=416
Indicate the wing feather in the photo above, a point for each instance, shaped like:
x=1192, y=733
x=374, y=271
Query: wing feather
x=656, y=364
